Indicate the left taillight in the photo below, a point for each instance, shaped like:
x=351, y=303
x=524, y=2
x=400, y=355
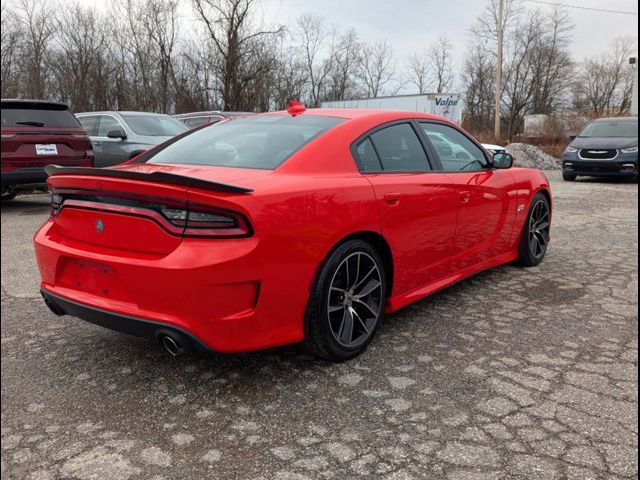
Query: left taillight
x=208, y=222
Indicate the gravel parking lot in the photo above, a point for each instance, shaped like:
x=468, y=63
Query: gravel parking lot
x=515, y=373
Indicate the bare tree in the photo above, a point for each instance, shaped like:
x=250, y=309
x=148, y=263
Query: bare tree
x=237, y=41
x=160, y=23
x=419, y=66
x=35, y=17
x=343, y=61
x=440, y=54
x=377, y=67
x=310, y=38
x=606, y=80
x=537, y=65
x=77, y=61
x=478, y=78
x=12, y=38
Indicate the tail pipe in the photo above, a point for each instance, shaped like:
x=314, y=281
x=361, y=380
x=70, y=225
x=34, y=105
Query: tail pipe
x=172, y=345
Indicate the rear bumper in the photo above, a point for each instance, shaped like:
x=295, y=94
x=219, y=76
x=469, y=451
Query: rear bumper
x=24, y=177
x=121, y=323
x=221, y=294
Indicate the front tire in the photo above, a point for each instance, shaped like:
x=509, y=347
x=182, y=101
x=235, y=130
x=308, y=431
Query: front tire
x=567, y=177
x=346, y=303
x=535, y=233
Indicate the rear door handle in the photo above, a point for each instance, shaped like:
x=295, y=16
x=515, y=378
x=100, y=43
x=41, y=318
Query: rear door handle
x=464, y=196
x=392, y=199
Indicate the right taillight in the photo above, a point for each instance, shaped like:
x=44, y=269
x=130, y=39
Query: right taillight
x=208, y=222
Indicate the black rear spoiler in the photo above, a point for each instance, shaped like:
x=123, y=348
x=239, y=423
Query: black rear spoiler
x=159, y=177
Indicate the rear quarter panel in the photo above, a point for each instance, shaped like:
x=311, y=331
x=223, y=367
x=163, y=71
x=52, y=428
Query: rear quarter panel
x=296, y=221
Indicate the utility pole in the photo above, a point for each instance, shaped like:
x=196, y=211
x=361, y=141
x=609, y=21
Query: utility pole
x=498, y=92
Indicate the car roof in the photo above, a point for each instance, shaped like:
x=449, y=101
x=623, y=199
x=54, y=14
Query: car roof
x=357, y=113
x=195, y=114
x=616, y=119
x=120, y=112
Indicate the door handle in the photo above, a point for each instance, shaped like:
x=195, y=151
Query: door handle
x=464, y=196
x=392, y=199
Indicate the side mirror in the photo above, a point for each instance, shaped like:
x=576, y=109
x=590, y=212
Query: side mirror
x=502, y=160
x=117, y=134
x=573, y=136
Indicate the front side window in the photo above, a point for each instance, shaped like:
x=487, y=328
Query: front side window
x=263, y=141
x=155, y=125
x=400, y=149
x=90, y=124
x=108, y=124
x=456, y=151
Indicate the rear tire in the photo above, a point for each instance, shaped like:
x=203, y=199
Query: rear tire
x=567, y=177
x=346, y=303
x=8, y=193
x=535, y=232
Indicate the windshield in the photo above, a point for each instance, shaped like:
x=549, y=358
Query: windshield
x=155, y=125
x=627, y=129
x=253, y=142
x=38, y=117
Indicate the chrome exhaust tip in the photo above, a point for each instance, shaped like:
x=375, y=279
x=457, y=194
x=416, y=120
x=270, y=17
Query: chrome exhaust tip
x=171, y=346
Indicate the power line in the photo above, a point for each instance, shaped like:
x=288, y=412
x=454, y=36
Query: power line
x=577, y=7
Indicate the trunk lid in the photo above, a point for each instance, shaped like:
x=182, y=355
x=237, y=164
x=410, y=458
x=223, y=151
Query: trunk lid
x=129, y=207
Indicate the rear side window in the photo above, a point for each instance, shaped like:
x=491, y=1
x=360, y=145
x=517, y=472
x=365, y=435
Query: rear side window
x=367, y=157
x=263, y=141
x=400, y=149
x=90, y=124
x=33, y=115
x=155, y=125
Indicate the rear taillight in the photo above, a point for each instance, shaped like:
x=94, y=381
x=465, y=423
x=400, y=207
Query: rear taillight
x=207, y=223
x=178, y=219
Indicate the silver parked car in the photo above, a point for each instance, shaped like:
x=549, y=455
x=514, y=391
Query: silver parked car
x=119, y=136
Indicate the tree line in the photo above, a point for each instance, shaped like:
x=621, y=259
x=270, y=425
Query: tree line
x=147, y=55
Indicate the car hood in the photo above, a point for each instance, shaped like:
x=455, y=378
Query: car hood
x=604, y=142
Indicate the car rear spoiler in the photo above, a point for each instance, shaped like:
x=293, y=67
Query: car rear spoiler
x=159, y=177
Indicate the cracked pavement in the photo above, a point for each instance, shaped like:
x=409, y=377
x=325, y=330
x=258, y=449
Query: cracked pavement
x=513, y=374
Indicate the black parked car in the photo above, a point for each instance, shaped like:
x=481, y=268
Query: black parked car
x=607, y=147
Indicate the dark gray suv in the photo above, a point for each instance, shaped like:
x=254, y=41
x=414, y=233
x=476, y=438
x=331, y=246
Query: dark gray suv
x=119, y=136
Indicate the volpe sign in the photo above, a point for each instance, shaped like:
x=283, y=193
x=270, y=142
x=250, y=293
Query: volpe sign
x=447, y=105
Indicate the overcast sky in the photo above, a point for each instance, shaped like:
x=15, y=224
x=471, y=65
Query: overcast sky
x=408, y=24
x=411, y=25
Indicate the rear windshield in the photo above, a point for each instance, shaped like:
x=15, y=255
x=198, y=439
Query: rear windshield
x=262, y=142
x=626, y=129
x=155, y=125
x=15, y=116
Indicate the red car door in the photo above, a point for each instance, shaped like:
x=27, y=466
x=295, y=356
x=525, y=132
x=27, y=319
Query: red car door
x=487, y=197
x=417, y=206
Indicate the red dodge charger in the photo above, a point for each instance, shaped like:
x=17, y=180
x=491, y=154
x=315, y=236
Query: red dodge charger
x=286, y=227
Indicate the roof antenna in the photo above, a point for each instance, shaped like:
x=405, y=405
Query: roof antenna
x=295, y=108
